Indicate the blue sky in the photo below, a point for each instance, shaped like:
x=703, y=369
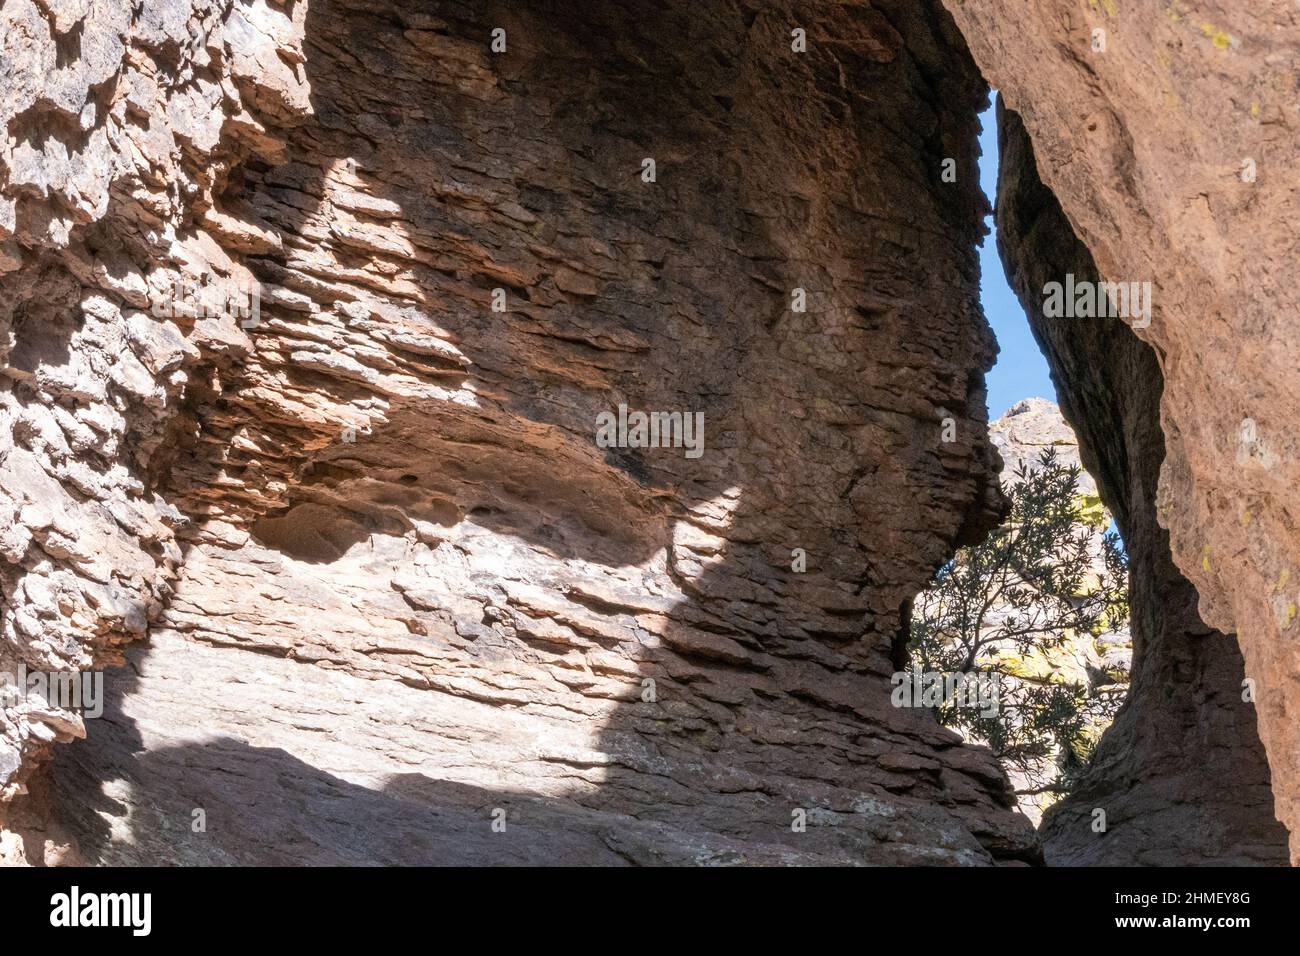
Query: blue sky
x=1021, y=371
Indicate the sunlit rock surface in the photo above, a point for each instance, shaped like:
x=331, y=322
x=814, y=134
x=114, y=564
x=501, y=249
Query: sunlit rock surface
x=380, y=481
x=402, y=582
x=1180, y=775
x=124, y=125
x=1169, y=133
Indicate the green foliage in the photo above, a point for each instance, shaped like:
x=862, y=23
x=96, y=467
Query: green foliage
x=1045, y=577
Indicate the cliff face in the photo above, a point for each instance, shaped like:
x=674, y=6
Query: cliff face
x=1170, y=140
x=388, y=487
x=309, y=312
x=1159, y=770
x=122, y=130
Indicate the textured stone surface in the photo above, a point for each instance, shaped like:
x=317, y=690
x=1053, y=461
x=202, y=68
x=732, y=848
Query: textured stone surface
x=1145, y=144
x=1180, y=774
x=1030, y=427
x=122, y=125
x=385, y=480
x=302, y=765
x=385, y=485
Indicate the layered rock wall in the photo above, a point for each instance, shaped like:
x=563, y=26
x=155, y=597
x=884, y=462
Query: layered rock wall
x=122, y=124
x=393, y=475
x=471, y=229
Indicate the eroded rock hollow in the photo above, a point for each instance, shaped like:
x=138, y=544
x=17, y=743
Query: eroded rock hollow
x=310, y=311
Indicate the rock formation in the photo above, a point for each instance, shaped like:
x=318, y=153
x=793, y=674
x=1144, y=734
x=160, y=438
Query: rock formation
x=392, y=475
x=1159, y=773
x=1168, y=132
x=309, y=312
x=124, y=124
